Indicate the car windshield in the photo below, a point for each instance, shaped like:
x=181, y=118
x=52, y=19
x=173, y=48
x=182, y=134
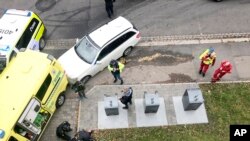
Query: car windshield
x=86, y=50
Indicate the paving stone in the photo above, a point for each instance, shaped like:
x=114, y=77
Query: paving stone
x=150, y=119
x=189, y=117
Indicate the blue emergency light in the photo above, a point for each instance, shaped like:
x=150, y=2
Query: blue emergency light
x=2, y=133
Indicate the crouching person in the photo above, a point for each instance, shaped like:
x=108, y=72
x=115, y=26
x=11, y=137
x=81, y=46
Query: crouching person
x=63, y=129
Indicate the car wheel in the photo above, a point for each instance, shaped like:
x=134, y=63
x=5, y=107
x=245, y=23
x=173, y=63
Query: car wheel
x=85, y=79
x=42, y=43
x=60, y=100
x=127, y=51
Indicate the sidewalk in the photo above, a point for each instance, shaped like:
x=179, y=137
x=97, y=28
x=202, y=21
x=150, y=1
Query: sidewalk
x=169, y=80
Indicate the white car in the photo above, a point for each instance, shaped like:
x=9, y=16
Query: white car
x=93, y=52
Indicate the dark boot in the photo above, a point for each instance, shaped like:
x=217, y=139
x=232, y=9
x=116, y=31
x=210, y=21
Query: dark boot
x=115, y=80
x=125, y=107
x=121, y=82
x=203, y=74
x=200, y=71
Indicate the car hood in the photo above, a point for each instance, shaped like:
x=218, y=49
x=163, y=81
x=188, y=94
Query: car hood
x=73, y=65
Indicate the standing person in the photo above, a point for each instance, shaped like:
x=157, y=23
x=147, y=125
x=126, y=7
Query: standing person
x=83, y=135
x=127, y=97
x=109, y=7
x=225, y=67
x=79, y=88
x=208, y=57
x=62, y=129
x=116, y=68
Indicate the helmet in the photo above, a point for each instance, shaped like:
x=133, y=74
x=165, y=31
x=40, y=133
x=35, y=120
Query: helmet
x=226, y=63
x=211, y=50
x=112, y=63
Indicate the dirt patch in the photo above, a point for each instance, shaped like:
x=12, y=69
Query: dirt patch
x=178, y=78
x=157, y=57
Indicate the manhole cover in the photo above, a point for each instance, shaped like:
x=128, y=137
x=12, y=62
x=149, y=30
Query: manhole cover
x=44, y=5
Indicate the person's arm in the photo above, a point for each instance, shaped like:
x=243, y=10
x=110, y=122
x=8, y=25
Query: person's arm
x=110, y=68
x=213, y=61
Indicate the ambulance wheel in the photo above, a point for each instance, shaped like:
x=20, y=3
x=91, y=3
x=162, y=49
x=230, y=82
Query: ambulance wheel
x=60, y=100
x=127, y=51
x=85, y=79
x=42, y=43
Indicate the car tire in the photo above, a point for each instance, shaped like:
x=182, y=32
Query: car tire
x=127, y=51
x=60, y=100
x=85, y=79
x=42, y=43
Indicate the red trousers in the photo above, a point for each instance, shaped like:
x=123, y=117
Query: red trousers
x=204, y=67
x=218, y=74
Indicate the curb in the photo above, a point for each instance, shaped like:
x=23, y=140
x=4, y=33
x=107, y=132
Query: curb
x=168, y=40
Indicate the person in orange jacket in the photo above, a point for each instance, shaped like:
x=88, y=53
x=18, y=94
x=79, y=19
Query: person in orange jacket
x=208, y=57
x=225, y=67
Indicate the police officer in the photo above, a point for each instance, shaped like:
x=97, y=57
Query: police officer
x=109, y=7
x=116, y=68
x=79, y=88
x=62, y=130
x=127, y=97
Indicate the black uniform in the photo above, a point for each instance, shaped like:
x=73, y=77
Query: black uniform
x=79, y=88
x=83, y=136
x=109, y=7
x=127, y=97
x=62, y=129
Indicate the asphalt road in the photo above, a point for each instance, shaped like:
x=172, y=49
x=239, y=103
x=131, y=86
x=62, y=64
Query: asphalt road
x=72, y=19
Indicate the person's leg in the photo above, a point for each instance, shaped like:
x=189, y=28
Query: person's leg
x=221, y=75
x=119, y=77
x=201, y=67
x=82, y=94
x=130, y=100
x=108, y=11
x=111, y=10
x=205, y=68
x=114, y=76
x=126, y=105
x=216, y=72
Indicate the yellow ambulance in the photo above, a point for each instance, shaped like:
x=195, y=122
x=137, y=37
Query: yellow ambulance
x=31, y=89
x=20, y=29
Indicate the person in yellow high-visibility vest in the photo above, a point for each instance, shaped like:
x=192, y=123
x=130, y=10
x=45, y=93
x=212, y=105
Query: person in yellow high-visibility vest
x=116, y=68
x=208, y=57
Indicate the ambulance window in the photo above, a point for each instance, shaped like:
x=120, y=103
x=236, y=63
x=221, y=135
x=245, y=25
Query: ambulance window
x=44, y=87
x=12, y=139
x=27, y=35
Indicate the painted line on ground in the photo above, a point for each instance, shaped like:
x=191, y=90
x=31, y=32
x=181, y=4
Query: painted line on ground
x=168, y=40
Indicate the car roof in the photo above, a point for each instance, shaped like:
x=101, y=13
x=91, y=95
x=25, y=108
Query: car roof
x=12, y=24
x=108, y=31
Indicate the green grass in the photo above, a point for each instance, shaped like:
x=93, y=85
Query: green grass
x=225, y=104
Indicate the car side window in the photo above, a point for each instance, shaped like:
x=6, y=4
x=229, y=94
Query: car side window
x=122, y=39
x=27, y=35
x=104, y=52
x=116, y=43
x=44, y=87
x=128, y=35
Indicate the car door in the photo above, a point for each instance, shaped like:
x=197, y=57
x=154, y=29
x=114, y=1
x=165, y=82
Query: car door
x=102, y=60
